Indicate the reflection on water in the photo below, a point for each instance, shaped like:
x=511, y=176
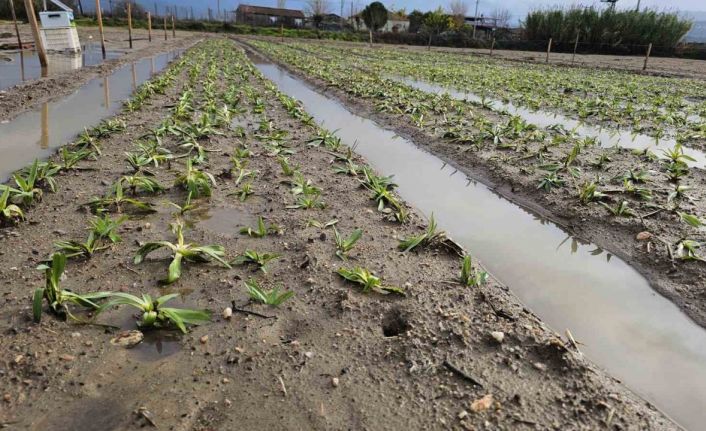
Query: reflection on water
x=636, y=334
x=65, y=118
x=20, y=66
x=607, y=136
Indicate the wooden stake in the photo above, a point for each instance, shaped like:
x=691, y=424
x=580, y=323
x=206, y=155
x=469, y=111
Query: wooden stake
x=44, y=140
x=165, y=27
x=549, y=49
x=173, y=30
x=647, y=57
x=129, y=22
x=576, y=45
x=281, y=31
x=99, y=16
x=149, y=26
x=29, y=7
x=14, y=20
x=492, y=47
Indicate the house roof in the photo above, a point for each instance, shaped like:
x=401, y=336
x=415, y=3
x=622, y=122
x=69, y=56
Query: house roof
x=271, y=11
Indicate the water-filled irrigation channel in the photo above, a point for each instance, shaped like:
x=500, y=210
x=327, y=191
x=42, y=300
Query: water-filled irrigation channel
x=636, y=334
x=607, y=136
x=36, y=134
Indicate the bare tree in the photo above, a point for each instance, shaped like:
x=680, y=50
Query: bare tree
x=502, y=16
x=458, y=10
x=317, y=7
x=281, y=4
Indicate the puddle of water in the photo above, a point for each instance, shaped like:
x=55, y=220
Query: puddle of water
x=20, y=66
x=36, y=134
x=636, y=334
x=226, y=221
x=608, y=137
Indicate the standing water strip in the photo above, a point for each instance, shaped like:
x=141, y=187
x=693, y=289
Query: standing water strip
x=626, y=327
x=37, y=134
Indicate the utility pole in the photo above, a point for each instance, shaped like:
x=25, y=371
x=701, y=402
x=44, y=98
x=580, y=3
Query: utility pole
x=80, y=8
x=475, y=20
x=110, y=4
x=637, y=9
x=218, y=9
x=17, y=29
x=156, y=12
x=32, y=18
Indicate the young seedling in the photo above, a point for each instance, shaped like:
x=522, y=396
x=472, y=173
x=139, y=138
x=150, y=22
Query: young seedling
x=369, y=281
x=345, y=245
x=325, y=138
x=287, y=170
x=253, y=257
x=469, y=276
x=116, y=200
x=27, y=191
x=9, y=213
x=303, y=186
x=321, y=225
x=181, y=251
x=428, y=237
x=688, y=250
x=271, y=297
x=588, y=192
x=197, y=183
x=245, y=191
x=308, y=202
x=185, y=207
x=261, y=230
x=140, y=183
x=620, y=210
x=550, y=180
x=59, y=299
x=155, y=314
x=690, y=219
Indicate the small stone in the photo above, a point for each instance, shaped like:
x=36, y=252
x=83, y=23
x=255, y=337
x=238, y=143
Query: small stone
x=309, y=354
x=128, y=339
x=148, y=225
x=7, y=398
x=225, y=380
x=335, y=382
x=66, y=357
x=227, y=313
x=482, y=404
x=462, y=414
x=75, y=334
x=204, y=339
x=498, y=336
x=310, y=281
x=88, y=343
x=643, y=236
x=540, y=366
x=227, y=402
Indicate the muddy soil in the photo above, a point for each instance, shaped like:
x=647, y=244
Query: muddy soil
x=29, y=94
x=660, y=66
x=331, y=357
x=681, y=282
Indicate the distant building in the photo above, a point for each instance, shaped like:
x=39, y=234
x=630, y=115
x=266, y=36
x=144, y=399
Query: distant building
x=268, y=16
x=396, y=23
x=484, y=25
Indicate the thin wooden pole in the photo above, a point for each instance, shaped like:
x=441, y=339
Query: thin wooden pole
x=647, y=57
x=576, y=45
x=29, y=7
x=492, y=47
x=106, y=93
x=549, y=49
x=129, y=22
x=281, y=31
x=99, y=16
x=149, y=26
x=173, y=29
x=165, y=27
x=44, y=140
x=17, y=28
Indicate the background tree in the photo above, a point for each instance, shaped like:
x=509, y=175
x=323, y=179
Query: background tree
x=503, y=17
x=458, y=10
x=317, y=9
x=416, y=19
x=375, y=17
x=281, y=4
x=434, y=23
x=120, y=9
x=20, y=8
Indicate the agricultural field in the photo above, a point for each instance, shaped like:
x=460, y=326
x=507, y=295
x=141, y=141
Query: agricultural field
x=214, y=257
x=644, y=204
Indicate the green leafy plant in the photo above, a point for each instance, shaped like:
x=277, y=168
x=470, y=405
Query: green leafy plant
x=57, y=298
x=197, y=183
x=429, y=236
x=140, y=183
x=155, y=314
x=181, y=251
x=254, y=257
x=470, y=276
x=690, y=219
x=620, y=210
x=261, y=230
x=271, y=297
x=308, y=202
x=321, y=225
x=9, y=213
x=116, y=200
x=588, y=192
x=369, y=281
x=345, y=245
x=687, y=249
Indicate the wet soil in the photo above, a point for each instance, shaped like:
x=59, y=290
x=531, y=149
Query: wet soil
x=17, y=99
x=684, y=283
x=329, y=358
